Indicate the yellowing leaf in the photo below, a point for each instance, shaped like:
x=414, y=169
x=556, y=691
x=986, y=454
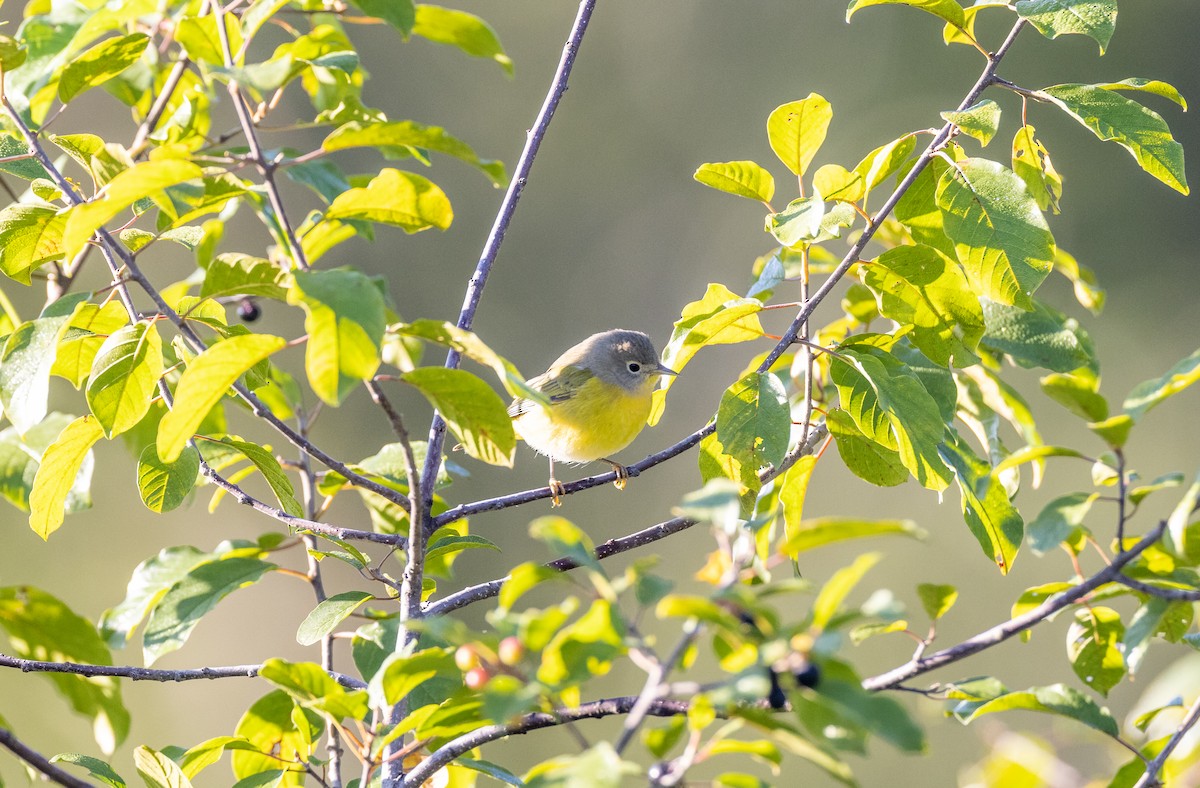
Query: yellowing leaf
x=204, y=382
x=62, y=462
x=398, y=198
x=797, y=129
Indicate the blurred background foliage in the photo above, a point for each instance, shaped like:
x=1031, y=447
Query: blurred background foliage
x=613, y=232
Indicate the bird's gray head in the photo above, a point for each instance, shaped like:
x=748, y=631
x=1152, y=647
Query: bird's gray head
x=625, y=358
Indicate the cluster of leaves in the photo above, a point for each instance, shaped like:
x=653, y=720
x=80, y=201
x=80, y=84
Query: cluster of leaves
x=909, y=381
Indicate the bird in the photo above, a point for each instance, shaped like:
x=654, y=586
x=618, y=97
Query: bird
x=599, y=394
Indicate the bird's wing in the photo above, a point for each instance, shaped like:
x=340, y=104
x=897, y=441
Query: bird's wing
x=558, y=385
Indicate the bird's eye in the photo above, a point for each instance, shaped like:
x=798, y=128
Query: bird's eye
x=633, y=366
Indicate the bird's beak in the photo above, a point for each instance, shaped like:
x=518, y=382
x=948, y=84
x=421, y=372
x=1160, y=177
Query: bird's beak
x=666, y=371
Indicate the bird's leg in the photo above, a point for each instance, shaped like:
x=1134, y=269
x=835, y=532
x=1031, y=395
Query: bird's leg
x=556, y=488
x=620, y=470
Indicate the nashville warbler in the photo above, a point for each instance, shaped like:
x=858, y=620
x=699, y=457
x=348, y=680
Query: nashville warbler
x=599, y=393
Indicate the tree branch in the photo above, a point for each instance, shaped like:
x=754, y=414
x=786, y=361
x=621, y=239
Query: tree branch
x=1149, y=778
x=39, y=762
x=531, y=722
x=622, y=544
x=533, y=141
x=151, y=674
x=1001, y=632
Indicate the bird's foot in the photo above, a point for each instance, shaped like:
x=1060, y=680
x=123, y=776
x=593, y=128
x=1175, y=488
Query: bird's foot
x=622, y=474
x=557, y=491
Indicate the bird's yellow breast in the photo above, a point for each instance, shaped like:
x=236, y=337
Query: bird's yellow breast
x=598, y=420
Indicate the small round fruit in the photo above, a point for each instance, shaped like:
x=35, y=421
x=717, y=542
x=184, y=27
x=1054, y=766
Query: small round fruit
x=466, y=657
x=477, y=678
x=510, y=651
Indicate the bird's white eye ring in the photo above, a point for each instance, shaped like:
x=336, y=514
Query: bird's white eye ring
x=633, y=366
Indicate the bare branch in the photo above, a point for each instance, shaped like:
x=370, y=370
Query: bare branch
x=1149, y=778
x=160, y=105
x=1000, y=633
x=151, y=674
x=1173, y=594
x=533, y=141
x=531, y=722
x=38, y=761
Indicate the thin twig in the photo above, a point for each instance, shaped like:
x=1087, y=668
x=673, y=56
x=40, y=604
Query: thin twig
x=1173, y=594
x=160, y=105
x=151, y=674
x=531, y=722
x=265, y=168
x=38, y=761
x=1150, y=776
x=1000, y=633
x=533, y=141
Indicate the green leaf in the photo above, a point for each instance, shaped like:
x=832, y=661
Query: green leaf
x=157, y=770
x=326, y=616
x=936, y=599
x=64, y=462
x=25, y=365
x=208, y=752
x=30, y=237
x=165, y=486
x=150, y=581
x=138, y=182
x=828, y=530
x=584, y=648
x=12, y=53
x=20, y=456
x=800, y=221
x=1154, y=86
x=458, y=28
x=1055, y=699
x=1146, y=622
x=313, y=688
x=100, y=64
x=207, y=377
x=882, y=163
x=472, y=409
x=1031, y=162
x=948, y=10
x=41, y=627
x=242, y=274
x=402, y=673
x=96, y=767
x=797, y=129
x=409, y=135
x=269, y=467
x=1058, y=520
x=1093, y=647
x=1176, y=537
x=400, y=14
x=1039, y=337
x=835, y=182
x=918, y=211
x=1077, y=391
x=868, y=460
x=601, y=766
x=719, y=318
x=740, y=178
x=124, y=376
x=181, y=608
x=993, y=520
x=1095, y=19
x=345, y=317
x=401, y=199
x=793, y=489
x=1034, y=453
x=1112, y=117
x=470, y=345
x=999, y=233
x=280, y=732
x=834, y=592
x=754, y=421
x=981, y=120
x=1149, y=393
x=919, y=286
x=891, y=407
